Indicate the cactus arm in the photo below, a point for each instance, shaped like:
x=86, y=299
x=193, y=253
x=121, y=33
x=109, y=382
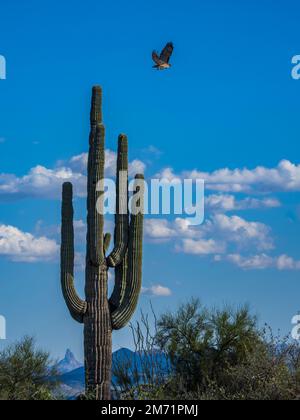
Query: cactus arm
x=122, y=314
x=95, y=219
x=121, y=218
x=106, y=242
x=120, y=284
x=76, y=306
x=118, y=257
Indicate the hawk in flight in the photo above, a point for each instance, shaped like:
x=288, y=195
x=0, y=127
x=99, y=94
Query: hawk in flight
x=162, y=60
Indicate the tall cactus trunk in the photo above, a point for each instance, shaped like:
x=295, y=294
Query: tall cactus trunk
x=98, y=335
x=99, y=314
x=97, y=322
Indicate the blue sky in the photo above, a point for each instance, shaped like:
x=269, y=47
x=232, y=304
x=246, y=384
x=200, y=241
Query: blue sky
x=228, y=102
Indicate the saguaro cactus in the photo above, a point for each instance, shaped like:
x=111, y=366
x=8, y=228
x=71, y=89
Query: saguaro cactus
x=99, y=313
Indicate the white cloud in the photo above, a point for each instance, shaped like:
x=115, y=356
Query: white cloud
x=234, y=229
x=163, y=229
x=79, y=164
x=136, y=167
x=157, y=290
x=168, y=175
x=256, y=262
x=202, y=246
x=225, y=238
x=226, y=202
x=214, y=236
x=284, y=262
x=261, y=262
x=24, y=247
x=42, y=182
x=159, y=229
x=284, y=177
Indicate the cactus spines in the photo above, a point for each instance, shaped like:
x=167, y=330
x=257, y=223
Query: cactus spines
x=99, y=314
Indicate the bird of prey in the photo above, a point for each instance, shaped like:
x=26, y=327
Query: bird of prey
x=162, y=60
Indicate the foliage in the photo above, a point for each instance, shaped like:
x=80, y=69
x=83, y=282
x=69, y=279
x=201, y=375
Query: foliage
x=202, y=343
x=144, y=371
x=25, y=373
x=215, y=355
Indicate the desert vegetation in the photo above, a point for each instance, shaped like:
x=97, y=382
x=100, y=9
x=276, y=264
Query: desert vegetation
x=25, y=372
x=192, y=353
x=201, y=354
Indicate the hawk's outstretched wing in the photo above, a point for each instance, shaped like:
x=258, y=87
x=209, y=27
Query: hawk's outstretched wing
x=156, y=58
x=167, y=52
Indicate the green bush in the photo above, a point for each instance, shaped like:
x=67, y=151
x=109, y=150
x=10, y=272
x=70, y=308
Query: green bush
x=216, y=355
x=25, y=373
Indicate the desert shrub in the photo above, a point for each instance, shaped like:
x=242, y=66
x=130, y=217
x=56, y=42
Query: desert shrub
x=25, y=373
x=202, y=344
x=211, y=355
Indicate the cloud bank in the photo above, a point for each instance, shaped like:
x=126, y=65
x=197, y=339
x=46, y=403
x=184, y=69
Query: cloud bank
x=224, y=238
x=285, y=177
x=45, y=183
x=24, y=247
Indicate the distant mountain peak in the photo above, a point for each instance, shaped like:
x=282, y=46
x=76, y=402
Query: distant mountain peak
x=69, y=356
x=73, y=381
x=68, y=363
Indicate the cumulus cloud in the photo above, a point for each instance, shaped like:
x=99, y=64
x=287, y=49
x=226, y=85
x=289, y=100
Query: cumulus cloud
x=284, y=262
x=202, y=246
x=42, y=182
x=224, y=238
x=216, y=235
x=283, y=178
x=227, y=202
x=79, y=164
x=261, y=262
x=157, y=290
x=25, y=247
x=46, y=182
x=243, y=233
x=160, y=229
